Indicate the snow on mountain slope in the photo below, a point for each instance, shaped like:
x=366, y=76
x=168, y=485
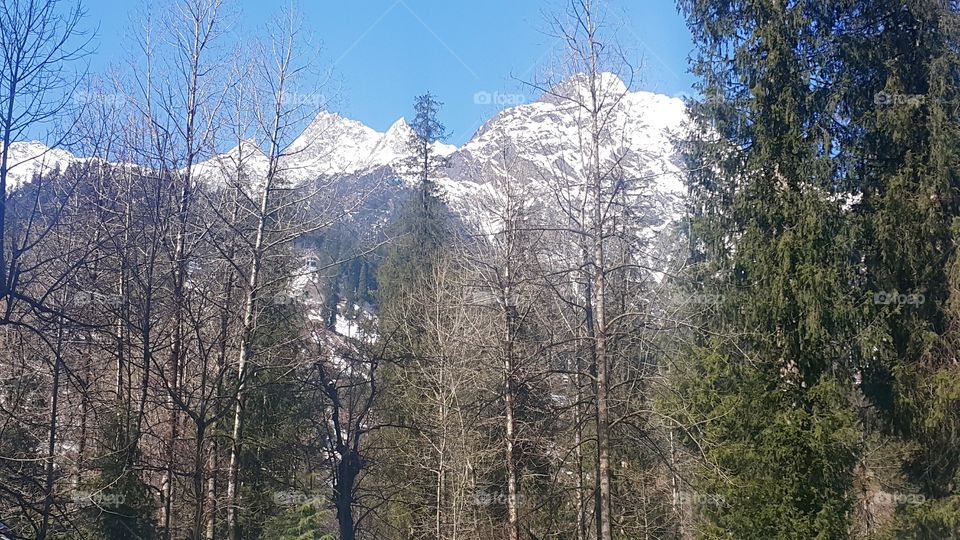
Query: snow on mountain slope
x=536, y=144
x=539, y=143
x=27, y=159
x=246, y=157
x=394, y=146
x=546, y=132
x=330, y=146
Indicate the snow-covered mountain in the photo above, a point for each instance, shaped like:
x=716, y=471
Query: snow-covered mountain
x=330, y=146
x=27, y=159
x=539, y=144
x=534, y=146
x=334, y=145
x=532, y=143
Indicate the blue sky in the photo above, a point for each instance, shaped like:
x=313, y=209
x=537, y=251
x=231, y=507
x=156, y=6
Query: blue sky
x=384, y=52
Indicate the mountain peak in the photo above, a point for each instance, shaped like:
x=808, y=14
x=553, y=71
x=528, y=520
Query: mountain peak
x=578, y=86
x=29, y=158
x=248, y=147
x=327, y=122
x=400, y=127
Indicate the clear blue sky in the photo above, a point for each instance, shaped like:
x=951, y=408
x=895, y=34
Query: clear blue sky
x=384, y=52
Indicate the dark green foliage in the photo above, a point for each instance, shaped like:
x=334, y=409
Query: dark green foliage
x=422, y=227
x=420, y=231
x=306, y=522
x=826, y=183
x=902, y=95
x=279, y=459
x=427, y=130
x=771, y=377
x=275, y=461
x=346, y=272
x=910, y=185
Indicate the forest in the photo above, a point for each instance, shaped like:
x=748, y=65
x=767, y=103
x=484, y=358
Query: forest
x=205, y=343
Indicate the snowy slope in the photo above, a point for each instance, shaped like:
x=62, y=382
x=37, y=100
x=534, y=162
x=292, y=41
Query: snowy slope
x=27, y=159
x=536, y=144
x=246, y=158
x=330, y=146
x=539, y=142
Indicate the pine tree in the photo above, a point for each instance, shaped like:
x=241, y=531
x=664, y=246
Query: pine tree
x=422, y=226
x=902, y=152
x=406, y=286
x=769, y=378
x=120, y=505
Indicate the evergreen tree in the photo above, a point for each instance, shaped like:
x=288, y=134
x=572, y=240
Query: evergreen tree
x=422, y=226
x=427, y=130
x=120, y=504
x=901, y=148
x=405, y=286
x=769, y=379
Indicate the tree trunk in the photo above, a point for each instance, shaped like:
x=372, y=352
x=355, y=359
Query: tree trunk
x=237, y=433
x=603, y=435
x=211, y=490
x=513, y=513
x=605, y=525
x=52, y=434
x=246, y=335
x=51, y=448
x=347, y=471
x=600, y=346
x=578, y=445
x=510, y=327
x=199, y=494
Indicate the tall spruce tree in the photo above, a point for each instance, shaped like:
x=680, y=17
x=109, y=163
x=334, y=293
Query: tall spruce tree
x=900, y=69
x=422, y=226
x=406, y=284
x=768, y=382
